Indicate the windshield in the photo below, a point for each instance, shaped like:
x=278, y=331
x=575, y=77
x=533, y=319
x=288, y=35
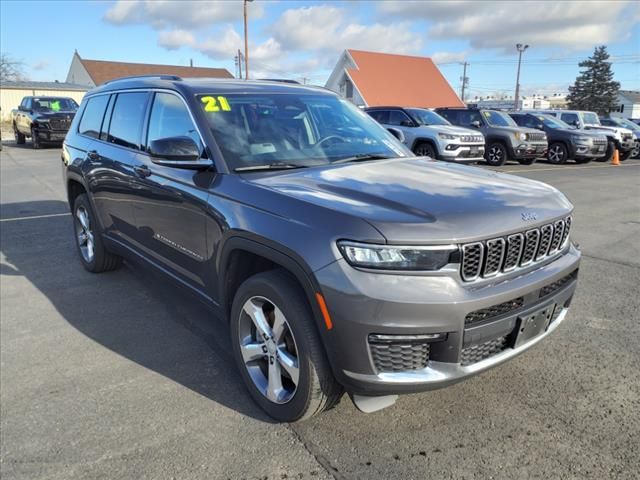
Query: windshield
x=294, y=130
x=498, y=119
x=552, y=122
x=52, y=104
x=590, y=118
x=623, y=122
x=427, y=117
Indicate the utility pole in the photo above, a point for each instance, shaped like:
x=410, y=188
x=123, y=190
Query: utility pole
x=521, y=48
x=465, y=80
x=239, y=60
x=246, y=41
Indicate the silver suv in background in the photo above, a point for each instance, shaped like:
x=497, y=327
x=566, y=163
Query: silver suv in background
x=428, y=134
x=625, y=123
x=617, y=137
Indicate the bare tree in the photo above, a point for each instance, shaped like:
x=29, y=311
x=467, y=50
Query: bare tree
x=10, y=69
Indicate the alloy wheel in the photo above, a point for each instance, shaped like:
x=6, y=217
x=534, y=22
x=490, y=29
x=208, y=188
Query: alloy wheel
x=269, y=350
x=556, y=154
x=84, y=234
x=495, y=154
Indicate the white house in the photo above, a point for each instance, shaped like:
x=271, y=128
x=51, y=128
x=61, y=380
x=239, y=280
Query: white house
x=628, y=104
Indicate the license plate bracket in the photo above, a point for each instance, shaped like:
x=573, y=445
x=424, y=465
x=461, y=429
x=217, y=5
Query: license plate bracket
x=533, y=324
x=474, y=151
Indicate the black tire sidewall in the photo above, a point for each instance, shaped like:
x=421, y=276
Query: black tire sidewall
x=288, y=297
x=429, y=148
x=34, y=139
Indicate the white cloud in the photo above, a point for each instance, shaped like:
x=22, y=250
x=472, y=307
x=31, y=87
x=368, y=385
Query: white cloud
x=184, y=14
x=327, y=28
x=41, y=65
x=175, y=39
x=448, y=57
x=572, y=25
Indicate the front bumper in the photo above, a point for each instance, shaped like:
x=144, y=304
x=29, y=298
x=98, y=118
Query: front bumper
x=460, y=152
x=529, y=150
x=46, y=135
x=589, y=151
x=363, y=303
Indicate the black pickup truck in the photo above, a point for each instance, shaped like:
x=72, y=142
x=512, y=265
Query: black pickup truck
x=43, y=119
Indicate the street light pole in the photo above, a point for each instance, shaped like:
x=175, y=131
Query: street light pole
x=246, y=42
x=521, y=48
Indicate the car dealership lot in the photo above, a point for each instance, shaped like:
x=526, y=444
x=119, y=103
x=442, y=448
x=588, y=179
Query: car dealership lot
x=122, y=375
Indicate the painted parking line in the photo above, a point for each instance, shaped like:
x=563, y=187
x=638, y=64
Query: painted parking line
x=34, y=217
x=566, y=168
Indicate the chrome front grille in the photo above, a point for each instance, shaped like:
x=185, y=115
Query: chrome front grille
x=501, y=255
x=537, y=137
x=472, y=138
x=59, y=124
x=600, y=141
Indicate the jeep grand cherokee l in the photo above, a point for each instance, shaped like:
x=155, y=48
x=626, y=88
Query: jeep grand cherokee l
x=340, y=261
x=565, y=143
x=505, y=140
x=430, y=135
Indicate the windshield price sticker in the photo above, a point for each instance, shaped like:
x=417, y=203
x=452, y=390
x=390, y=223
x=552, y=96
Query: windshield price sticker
x=215, y=104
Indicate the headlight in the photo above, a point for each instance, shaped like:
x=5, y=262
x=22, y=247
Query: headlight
x=41, y=120
x=521, y=136
x=448, y=136
x=582, y=139
x=388, y=257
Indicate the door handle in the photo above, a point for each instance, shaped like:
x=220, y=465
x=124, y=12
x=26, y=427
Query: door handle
x=93, y=155
x=142, y=170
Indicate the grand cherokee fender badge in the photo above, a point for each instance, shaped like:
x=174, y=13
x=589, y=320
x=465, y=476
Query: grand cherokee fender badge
x=529, y=216
x=177, y=246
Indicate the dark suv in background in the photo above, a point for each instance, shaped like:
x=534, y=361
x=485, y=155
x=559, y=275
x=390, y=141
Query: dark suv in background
x=565, y=142
x=339, y=260
x=505, y=140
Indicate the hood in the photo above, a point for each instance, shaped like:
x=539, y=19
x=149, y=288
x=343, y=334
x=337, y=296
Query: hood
x=452, y=129
x=64, y=114
x=421, y=201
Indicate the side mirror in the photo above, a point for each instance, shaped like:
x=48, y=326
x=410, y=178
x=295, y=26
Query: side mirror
x=181, y=152
x=475, y=124
x=406, y=123
x=397, y=133
x=540, y=126
x=576, y=123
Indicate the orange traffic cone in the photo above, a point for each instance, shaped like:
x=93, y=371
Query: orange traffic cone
x=615, y=160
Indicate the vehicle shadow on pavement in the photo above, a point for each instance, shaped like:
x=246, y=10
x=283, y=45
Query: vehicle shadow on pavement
x=133, y=311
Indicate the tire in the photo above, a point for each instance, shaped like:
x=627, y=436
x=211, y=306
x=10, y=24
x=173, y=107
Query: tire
x=20, y=138
x=527, y=161
x=279, y=295
x=425, y=149
x=626, y=155
x=557, y=153
x=610, y=148
x=94, y=256
x=35, y=140
x=635, y=153
x=496, y=154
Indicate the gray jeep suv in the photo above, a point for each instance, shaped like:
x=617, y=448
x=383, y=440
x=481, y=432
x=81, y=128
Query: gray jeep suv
x=505, y=140
x=430, y=135
x=338, y=259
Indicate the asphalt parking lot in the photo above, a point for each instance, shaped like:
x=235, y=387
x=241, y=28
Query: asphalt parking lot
x=123, y=376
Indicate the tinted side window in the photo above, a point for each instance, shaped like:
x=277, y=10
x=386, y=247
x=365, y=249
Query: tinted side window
x=380, y=116
x=570, y=118
x=170, y=118
x=127, y=118
x=451, y=115
x=519, y=119
x=92, y=116
x=396, y=117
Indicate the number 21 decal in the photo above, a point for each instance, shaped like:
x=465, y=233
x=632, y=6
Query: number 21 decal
x=215, y=104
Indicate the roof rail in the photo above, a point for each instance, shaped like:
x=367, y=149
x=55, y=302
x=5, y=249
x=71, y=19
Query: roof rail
x=133, y=77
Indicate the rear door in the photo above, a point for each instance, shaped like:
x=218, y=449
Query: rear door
x=171, y=202
x=117, y=140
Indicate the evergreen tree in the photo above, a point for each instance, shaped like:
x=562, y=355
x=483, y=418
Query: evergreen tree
x=594, y=88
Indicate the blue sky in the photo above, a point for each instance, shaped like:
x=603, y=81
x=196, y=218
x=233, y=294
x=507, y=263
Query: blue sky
x=303, y=39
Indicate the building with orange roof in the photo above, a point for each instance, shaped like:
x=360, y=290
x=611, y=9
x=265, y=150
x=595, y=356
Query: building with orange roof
x=372, y=79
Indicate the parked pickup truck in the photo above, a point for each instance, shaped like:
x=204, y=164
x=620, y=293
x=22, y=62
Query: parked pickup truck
x=428, y=134
x=618, y=138
x=43, y=119
x=505, y=140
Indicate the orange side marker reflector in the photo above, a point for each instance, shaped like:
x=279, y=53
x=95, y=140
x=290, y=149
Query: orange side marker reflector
x=325, y=312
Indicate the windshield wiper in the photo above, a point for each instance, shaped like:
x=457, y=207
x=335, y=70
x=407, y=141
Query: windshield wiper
x=269, y=166
x=362, y=158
